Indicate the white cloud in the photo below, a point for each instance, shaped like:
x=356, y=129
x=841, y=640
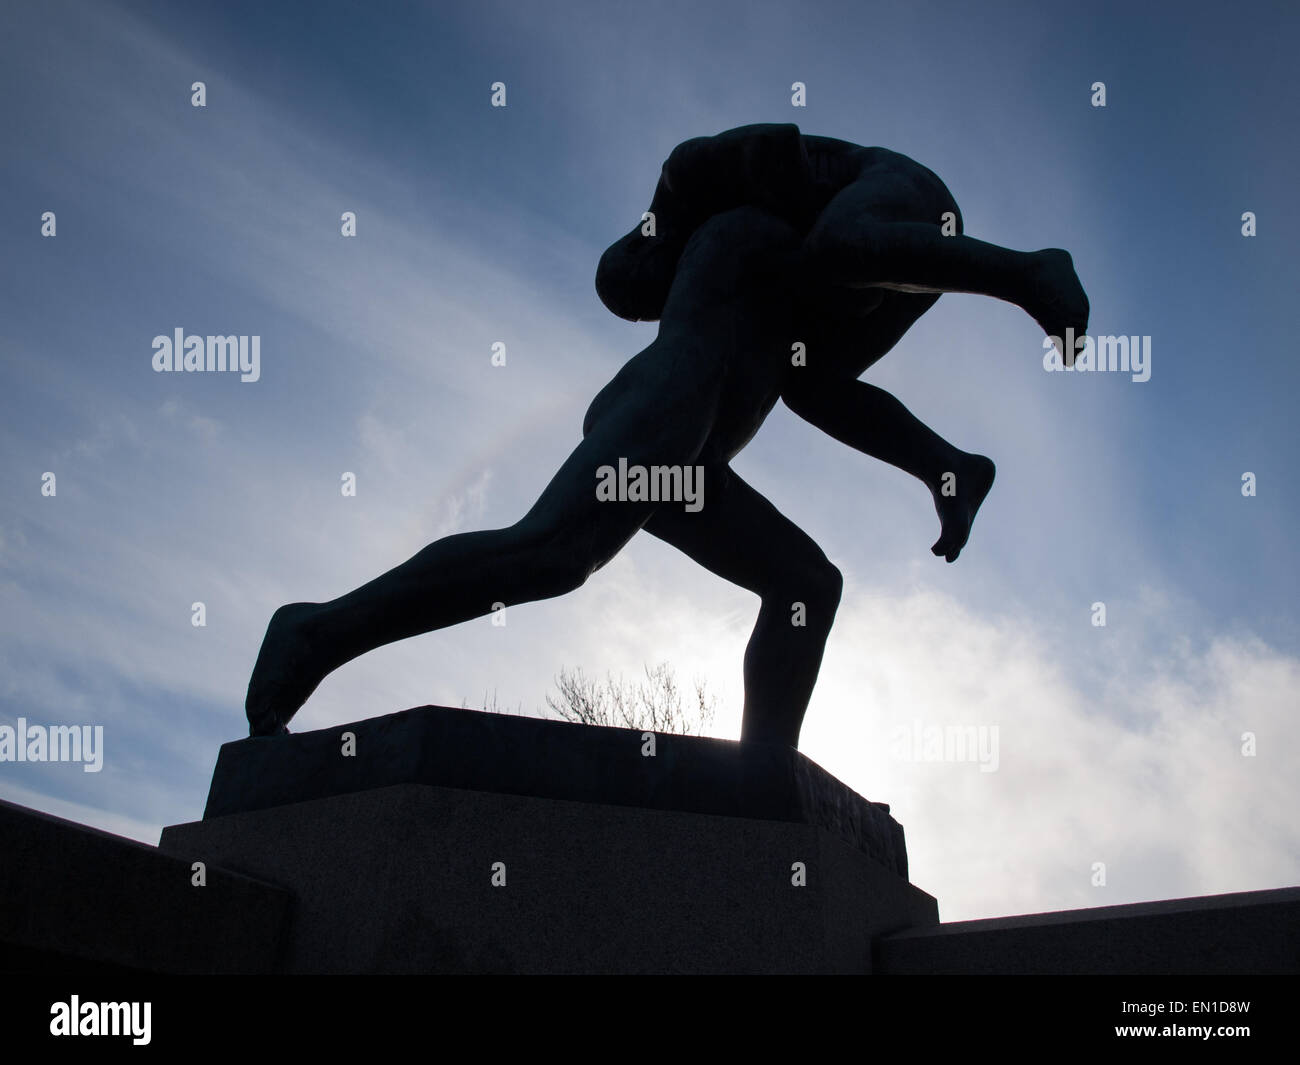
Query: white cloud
x=1152, y=783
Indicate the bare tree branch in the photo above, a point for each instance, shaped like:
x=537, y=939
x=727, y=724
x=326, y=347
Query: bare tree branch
x=654, y=704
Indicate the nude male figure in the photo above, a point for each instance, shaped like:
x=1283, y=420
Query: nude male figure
x=767, y=237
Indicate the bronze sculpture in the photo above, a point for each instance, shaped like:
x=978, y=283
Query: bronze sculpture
x=763, y=239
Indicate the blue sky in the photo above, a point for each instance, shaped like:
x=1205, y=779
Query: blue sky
x=476, y=224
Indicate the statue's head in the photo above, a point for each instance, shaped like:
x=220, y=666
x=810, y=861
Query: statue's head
x=635, y=274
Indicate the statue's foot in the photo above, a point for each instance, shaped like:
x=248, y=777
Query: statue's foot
x=974, y=478
x=287, y=671
x=1057, y=301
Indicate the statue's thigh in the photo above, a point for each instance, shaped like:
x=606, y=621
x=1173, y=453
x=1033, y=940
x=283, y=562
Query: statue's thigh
x=842, y=345
x=899, y=192
x=730, y=258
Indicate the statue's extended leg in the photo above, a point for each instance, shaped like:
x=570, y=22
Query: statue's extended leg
x=869, y=235
x=566, y=536
x=744, y=539
x=877, y=424
x=825, y=392
x=659, y=411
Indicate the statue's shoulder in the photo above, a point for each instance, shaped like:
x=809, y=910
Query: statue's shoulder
x=834, y=163
x=832, y=145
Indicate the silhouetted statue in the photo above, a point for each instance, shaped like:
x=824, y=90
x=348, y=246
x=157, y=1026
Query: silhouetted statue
x=763, y=238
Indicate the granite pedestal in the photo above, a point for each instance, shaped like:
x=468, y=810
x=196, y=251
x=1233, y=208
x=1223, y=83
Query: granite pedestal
x=443, y=840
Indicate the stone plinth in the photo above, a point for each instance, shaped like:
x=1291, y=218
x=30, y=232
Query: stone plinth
x=513, y=755
x=456, y=841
